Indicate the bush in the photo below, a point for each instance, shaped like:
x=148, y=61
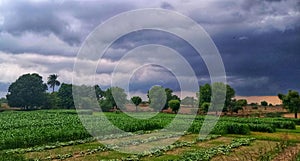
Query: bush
x=262, y=128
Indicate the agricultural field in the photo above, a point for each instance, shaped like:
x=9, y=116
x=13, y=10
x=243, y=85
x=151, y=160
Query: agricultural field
x=60, y=135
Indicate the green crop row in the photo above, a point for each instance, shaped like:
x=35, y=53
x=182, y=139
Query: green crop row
x=207, y=154
x=28, y=129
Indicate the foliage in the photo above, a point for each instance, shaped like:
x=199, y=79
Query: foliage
x=207, y=154
x=218, y=99
x=65, y=96
x=99, y=92
x=229, y=104
x=27, y=129
x=28, y=92
x=205, y=106
x=238, y=104
x=264, y=103
x=174, y=105
x=52, y=81
x=3, y=100
x=219, y=94
x=136, y=101
x=204, y=94
x=11, y=157
x=116, y=97
x=157, y=98
x=52, y=101
x=105, y=105
x=291, y=101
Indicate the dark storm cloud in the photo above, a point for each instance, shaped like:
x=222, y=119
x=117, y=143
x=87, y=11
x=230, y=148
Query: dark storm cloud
x=273, y=58
x=126, y=43
x=257, y=39
x=71, y=21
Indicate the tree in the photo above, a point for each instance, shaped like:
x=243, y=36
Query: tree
x=65, y=96
x=291, y=101
x=136, y=101
x=204, y=107
x=157, y=98
x=99, y=92
x=28, y=91
x=264, y=103
x=52, y=101
x=229, y=105
x=52, y=81
x=238, y=104
x=204, y=94
x=115, y=97
x=170, y=96
x=218, y=97
x=174, y=105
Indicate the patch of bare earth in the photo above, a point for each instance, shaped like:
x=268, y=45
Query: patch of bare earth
x=248, y=153
x=288, y=154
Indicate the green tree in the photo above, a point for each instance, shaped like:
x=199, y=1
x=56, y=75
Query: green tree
x=204, y=107
x=204, y=94
x=238, y=104
x=99, y=92
x=218, y=97
x=229, y=104
x=27, y=91
x=116, y=97
x=264, y=103
x=174, y=105
x=157, y=98
x=291, y=101
x=65, y=96
x=52, y=81
x=52, y=101
x=136, y=101
x=3, y=100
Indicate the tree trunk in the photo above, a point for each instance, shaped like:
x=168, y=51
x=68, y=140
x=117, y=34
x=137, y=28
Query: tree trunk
x=53, y=89
x=136, y=109
x=296, y=115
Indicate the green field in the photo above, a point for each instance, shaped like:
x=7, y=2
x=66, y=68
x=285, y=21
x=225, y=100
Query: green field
x=59, y=134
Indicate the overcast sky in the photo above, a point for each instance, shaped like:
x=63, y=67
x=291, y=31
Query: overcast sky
x=258, y=40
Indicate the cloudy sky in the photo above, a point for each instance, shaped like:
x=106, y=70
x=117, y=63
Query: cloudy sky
x=258, y=40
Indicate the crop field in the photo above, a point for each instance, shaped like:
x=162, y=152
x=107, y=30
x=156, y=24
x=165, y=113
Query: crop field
x=60, y=135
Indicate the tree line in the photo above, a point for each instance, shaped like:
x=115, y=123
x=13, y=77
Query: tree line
x=30, y=92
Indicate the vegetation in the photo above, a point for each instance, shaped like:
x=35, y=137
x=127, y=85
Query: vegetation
x=157, y=98
x=52, y=81
x=136, y=101
x=28, y=92
x=174, y=105
x=264, y=103
x=291, y=101
x=42, y=130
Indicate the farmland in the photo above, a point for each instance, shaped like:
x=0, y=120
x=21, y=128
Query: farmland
x=59, y=134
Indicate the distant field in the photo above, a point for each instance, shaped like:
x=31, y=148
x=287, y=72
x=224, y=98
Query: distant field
x=59, y=134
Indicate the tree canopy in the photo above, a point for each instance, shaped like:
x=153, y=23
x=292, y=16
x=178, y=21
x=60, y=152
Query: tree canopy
x=291, y=101
x=157, y=98
x=136, y=101
x=174, y=105
x=28, y=91
x=65, y=96
x=52, y=81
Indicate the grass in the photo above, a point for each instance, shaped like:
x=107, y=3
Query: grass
x=297, y=130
